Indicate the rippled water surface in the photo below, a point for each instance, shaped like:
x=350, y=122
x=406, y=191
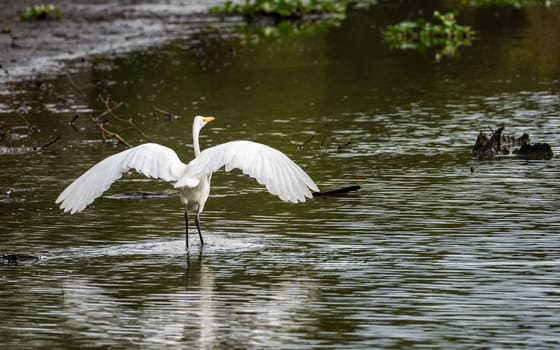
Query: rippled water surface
x=437, y=249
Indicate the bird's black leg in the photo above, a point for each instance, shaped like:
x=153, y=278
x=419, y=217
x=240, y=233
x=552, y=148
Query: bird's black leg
x=197, y=221
x=186, y=230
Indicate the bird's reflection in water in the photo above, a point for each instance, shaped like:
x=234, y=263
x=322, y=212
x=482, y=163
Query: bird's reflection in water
x=199, y=277
x=115, y=311
x=193, y=303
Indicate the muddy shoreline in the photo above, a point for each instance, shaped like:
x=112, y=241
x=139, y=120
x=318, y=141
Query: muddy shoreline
x=88, y=28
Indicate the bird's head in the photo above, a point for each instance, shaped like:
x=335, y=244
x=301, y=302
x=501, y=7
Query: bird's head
x=200, y=122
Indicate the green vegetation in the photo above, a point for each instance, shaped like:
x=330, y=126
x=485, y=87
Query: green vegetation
x=282, y=8
x=40, y=12
x=281, y=18
x=514, y=3
x=254, y=34
x=421, y=35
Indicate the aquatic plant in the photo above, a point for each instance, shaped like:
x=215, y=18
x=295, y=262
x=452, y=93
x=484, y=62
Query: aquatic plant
x=40, y=12
x=281, y=8
x=363, y=4
x=421, y=35
x=275, y=33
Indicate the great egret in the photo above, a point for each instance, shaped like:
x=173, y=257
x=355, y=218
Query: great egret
x=270, y=167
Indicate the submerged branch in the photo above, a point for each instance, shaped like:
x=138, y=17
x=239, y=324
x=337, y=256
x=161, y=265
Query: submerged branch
x=50, y=142
x=337, y=191
x=74, y=85
x=27, y=123
x=339, y=148
x=7, y=130
x=73, y=122
x=166, y=115
x=106, y=133
x=315, y=134
x=26, y=149
x=109, y=111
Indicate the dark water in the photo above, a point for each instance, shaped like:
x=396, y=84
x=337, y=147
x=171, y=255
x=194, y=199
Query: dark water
x=437, y=249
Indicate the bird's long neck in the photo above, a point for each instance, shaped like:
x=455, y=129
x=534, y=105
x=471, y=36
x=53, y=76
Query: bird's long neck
x=195, y=134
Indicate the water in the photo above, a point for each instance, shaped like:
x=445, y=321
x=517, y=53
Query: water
x=437, y=249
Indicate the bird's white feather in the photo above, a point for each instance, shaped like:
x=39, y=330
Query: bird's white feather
x=149, y=159
x=270, y=167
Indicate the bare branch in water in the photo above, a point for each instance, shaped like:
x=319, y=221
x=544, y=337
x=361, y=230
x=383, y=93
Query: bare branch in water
x=26, y=149
x=166, y=115
x=30, y=127
x=340, y=147
x=315, y=134
x=104, y=133
x=73, y=122
x=74, y=84
x=338, y=191
x=50, y=142
x=110, y=111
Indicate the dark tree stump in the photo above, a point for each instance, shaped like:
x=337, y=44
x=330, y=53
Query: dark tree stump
x=498, y=144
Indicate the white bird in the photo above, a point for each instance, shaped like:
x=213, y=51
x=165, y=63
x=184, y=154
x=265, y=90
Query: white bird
x=270, y=167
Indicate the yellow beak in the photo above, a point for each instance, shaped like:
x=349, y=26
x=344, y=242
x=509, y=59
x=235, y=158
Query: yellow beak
x=208, y=119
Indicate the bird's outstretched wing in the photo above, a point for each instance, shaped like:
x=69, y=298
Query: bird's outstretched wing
x=149, y=159
x=270, y=167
